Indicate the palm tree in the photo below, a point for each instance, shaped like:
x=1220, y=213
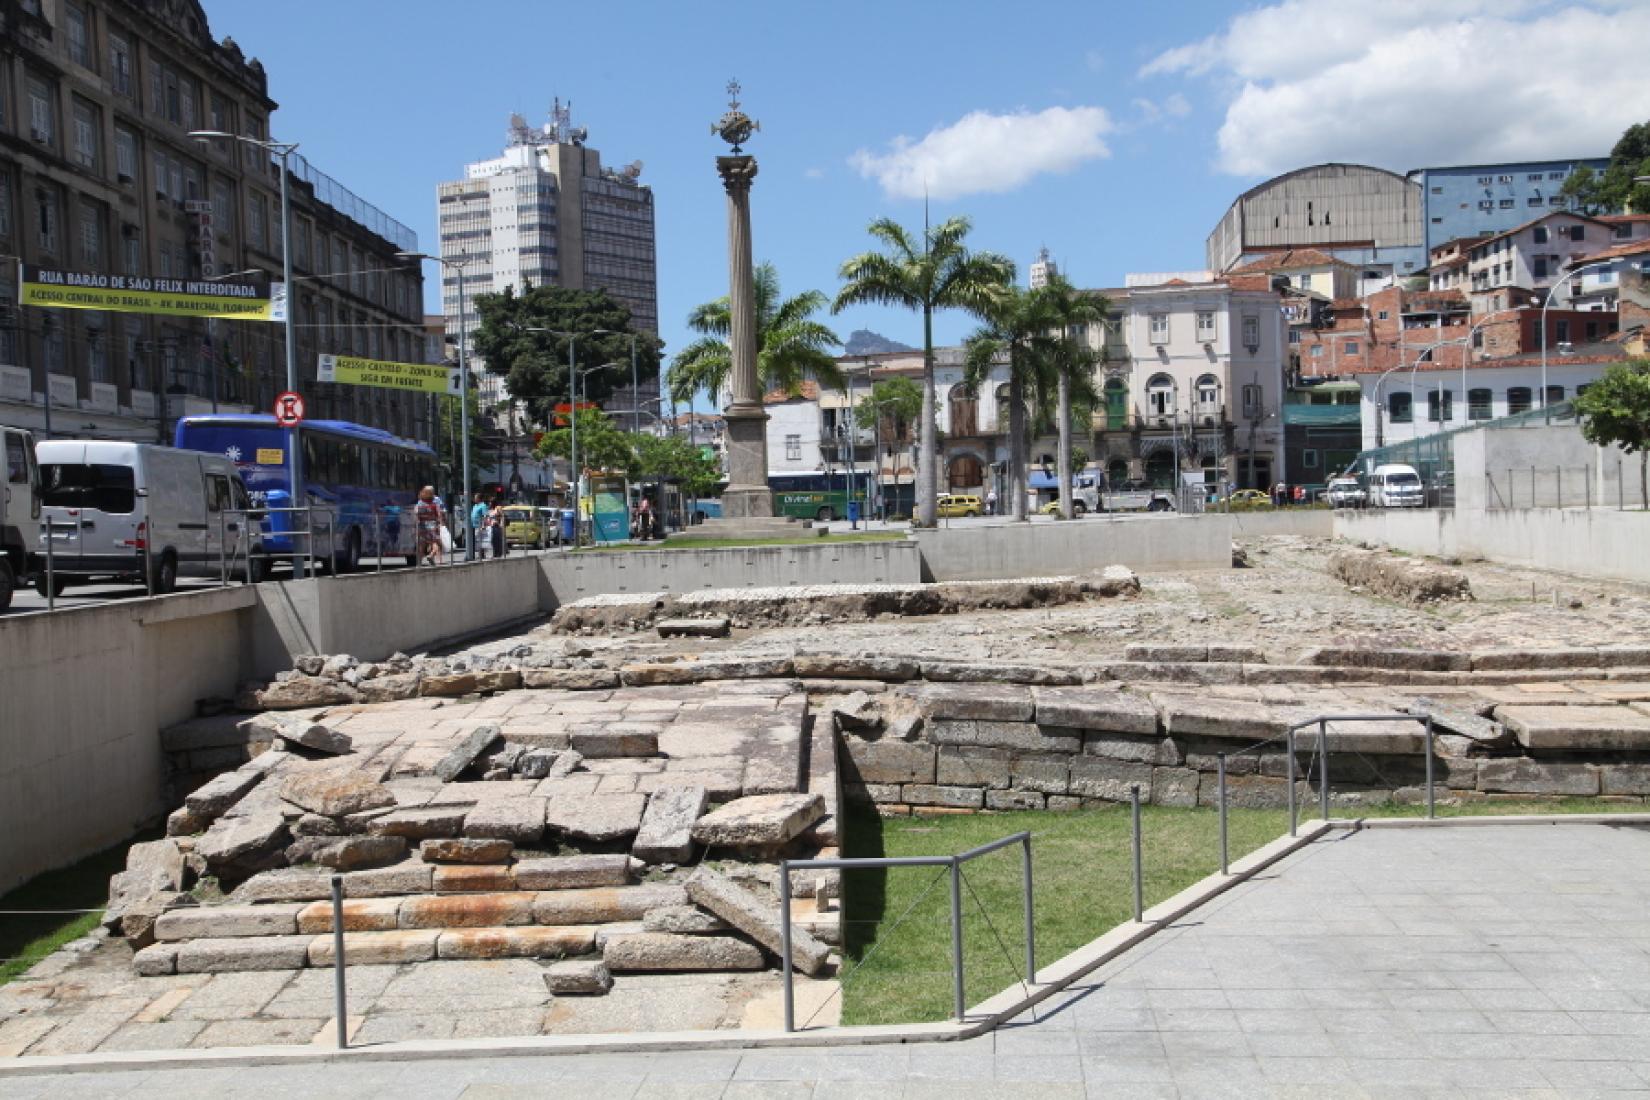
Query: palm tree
x=1017, y=329
x=1072, y=362
x=791, y=346
x=940, y=274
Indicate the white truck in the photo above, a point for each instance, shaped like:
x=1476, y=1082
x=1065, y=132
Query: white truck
x=124, y=511
x=19, y=510
x=1135, y=495
x=1396, y=486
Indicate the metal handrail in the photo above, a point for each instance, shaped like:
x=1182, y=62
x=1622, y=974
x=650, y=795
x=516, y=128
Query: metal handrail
x=1322, y=722
x=954, y=862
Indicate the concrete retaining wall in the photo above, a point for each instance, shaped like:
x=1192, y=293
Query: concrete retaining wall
x=1308, y=522
x=1143, y=543
x=574, y=576
x=83, y=694
x=1595, y=543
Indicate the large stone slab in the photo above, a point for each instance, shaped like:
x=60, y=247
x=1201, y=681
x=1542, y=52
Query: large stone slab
x=988, y=702
x=572, y=872
x=1092, y=709
x=716, y=626
x=1524, y=776
x=228, y=920
x=208, y=801
x=1093, y=777
x=825, y=666
x=570, y=679
x=578, y=977
x=890, y=761
x=757, y=918
x=526, y=942
x=224, y=956
x=1451, y=717
x=640, y=952
x=152, y=867
x=666, y=832
x=973, y=672
x=472, y=878
x=1019, y=736
x=596, y=817
x=693, y=672
x=487, y=850
x=411, y=877
x=683, y=920
x=462, y=755
x=1183, y=714
x=296, y=731
x=298, y=692
x=1577, y=728
x=1138, y=748
x=334, y=792
x=285, y=884
x=1522, y=659
x=613, y=740
x=1410, y=660
x=246, y=844
x=421, y=822
x=356, y=853
x=360, y=915
x=519, y=820
x=759, y=821
x=384, y=948
x=467, y=910
x=603, y=905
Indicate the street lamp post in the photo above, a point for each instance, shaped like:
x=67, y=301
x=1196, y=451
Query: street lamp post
x=458, y=263
x=295, y=467
x=1547, y=303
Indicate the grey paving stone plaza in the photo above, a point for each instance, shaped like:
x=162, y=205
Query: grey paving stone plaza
x=1493, y=961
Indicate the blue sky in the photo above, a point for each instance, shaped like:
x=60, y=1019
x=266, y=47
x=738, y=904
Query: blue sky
x=1114, y=134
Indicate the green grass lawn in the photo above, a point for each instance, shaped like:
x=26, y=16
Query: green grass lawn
x=714, y=544
x=897, y=937
x=25, y=940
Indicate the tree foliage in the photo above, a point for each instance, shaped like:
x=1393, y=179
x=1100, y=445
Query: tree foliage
x=926, y=274
x=790, y=345
x=1072, y=362
x=897, y=400
x=1613, y=190
x=534, y=364
x=1017, y=331
x=602, y=446
x=673, y=458
x=1616, y=410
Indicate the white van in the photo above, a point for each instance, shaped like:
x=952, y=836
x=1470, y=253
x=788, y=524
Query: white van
x=19, y=510
x=1396, y=486
x=111, y=509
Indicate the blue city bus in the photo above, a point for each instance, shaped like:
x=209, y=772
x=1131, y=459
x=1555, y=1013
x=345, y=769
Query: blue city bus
x=362, y=482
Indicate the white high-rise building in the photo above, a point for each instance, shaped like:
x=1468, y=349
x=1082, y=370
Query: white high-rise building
x=1042, y=271
x=546, y=211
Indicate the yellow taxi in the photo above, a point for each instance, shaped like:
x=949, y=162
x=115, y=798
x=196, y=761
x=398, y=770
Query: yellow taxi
x=960, y=504
x=1251, y=498
x=522, y=527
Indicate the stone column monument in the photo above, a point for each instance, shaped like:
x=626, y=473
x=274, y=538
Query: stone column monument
x=747, y=495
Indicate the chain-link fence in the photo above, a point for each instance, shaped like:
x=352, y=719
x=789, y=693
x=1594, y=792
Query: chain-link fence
x=1610, y=481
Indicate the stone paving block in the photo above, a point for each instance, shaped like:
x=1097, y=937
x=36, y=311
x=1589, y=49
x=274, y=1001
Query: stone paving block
x=666, y=832
x=1094, y=709
x=1380, y=738
x=156, y=960
x=1624, y=779
x=1093, y=777
x=683, y=920
x=466, y=850
x=1044, y=773
x=472, y=878
x=222, y=921
x=467, y=910
x=824, y=666
x=1410, y=660
x=462, y=755
x=420, y=823
x=1184, y=713
x=930, y=794
x=377, y=948
x=411, y=877
x=721, y=784
x=886, y=761
x=239, y=844
x=519, y=820
x=525, y=942
x=208, y=801
x=335, y=792
x=658, y=951
x=960, y=766
x=763, y=820
x=1147, y=749
x=610, y=740
x=1578, y=728
x=603, y=905
x=572, y=872
x=1521, y=659
x=989, y=702
x=716, y=626
x=570, y=679
x=1024, y=736
x=596, y=817
x=360, y=915
x=756, y=917
x=1616, y=691
x=578, y=977
x=285, y=884
x=774, y=759
x=1525, y=776
x=1174, y=787
x=1014, y=800
x=220, y=956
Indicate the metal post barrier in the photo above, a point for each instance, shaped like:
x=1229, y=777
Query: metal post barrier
x=1323, y=769
x=223, y=550
x=956, y=940
x=309, y=537
x=340, y=1005
x=1134, y=817
x=785, y=941
x=1220, y=767
x=1031, y=931
x=1432, y=806
x=1289, y=753
x=332, y=544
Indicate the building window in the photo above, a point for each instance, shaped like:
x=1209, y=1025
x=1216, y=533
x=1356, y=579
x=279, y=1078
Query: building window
x=1437, y=190
x=1160, y=395
x=1350, y=347
x=1478, y=404
x=1561, y=329
x=1555, y=394
x=1251, y=332
x=126, y=155
x=91, y=238
x=1317, y=351
x=1159, y=328
x=97, y=356
x=1309, y=459
x=74, y=23
x=1538, y=267
x=1507, y=204
x=1578, y=232
x=1294, y=336
x=1398, y=408
x=1381, y=315
x=1518, y=400
x=131, y=252
x=255, y=220
x=1555, y=175
x=1205, y=326
x=1208, y=395
x=45, y=220
x=42, y=111
x=86, y=129
x=51, y=344
x=1253, y=400
x=5, y=210
x=1555, y=200
x=120, y=64
x=1434, y=399
x=1534, y=200
x=793, y=448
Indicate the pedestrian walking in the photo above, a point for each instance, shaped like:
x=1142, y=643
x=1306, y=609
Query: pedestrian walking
x=429, y=518
x=1300, y=494
x=645, y=519
x=478, y=520
x=495, y=528
x=991, y=502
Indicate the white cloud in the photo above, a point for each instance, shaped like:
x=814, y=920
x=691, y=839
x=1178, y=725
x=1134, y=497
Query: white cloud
x=984, y=152
x=1174, y=106
x=1407, y=83
x=813, y=173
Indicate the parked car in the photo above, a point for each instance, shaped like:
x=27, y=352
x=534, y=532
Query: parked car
x=523, y=527
x=19, y=510
x=1250, y=500
x=959, y=504
x=1133, y=495
x=1345, y=492
x=111, y=510
x=1396, y=486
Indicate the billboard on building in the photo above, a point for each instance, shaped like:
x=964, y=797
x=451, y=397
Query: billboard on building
x=244, y=300
x=419, y=377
